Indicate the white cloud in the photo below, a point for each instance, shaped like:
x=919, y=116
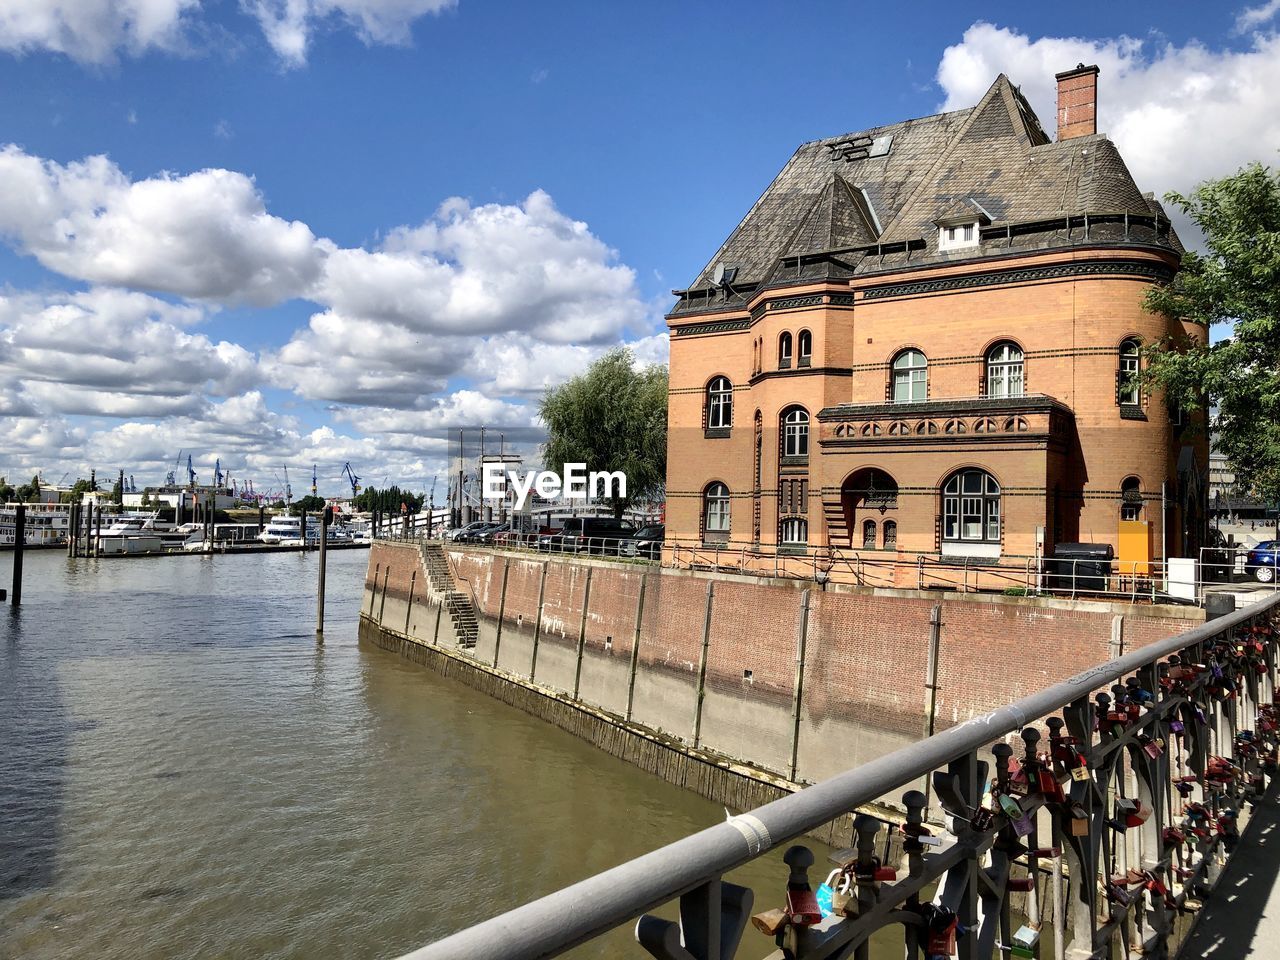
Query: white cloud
x=115, y=353
x=99, y=31
x=1250, y=18
x=205, y=235
x=488, y=269
x=1178, y=114
x=289, y=24
x=95, y=31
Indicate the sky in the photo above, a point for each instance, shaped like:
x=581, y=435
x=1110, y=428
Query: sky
x=286, y=233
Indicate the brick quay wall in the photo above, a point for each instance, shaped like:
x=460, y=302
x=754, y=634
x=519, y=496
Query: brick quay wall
x=706, y=670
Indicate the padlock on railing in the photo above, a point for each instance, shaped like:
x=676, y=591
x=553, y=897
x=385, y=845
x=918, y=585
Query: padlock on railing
x=942, y=926
x=1025, y=939
x=802, y=903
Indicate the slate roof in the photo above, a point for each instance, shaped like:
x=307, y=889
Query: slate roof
x=864, y=189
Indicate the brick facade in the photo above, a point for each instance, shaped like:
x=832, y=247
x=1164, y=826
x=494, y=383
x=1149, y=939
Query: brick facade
x=1060, y=450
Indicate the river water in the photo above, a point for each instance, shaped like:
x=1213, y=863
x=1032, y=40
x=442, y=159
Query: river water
x=185, y=772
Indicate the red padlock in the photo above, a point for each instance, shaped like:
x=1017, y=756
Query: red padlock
x=802, y=906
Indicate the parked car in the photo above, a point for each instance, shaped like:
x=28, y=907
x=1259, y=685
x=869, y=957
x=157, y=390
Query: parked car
x=647, y=542
x=490, y=534
x=600, y=536
x=476, y=534
x=1262, y=561
x=458, y=532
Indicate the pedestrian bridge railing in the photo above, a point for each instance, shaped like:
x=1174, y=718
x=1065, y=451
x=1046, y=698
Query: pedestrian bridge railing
x=1090, y=819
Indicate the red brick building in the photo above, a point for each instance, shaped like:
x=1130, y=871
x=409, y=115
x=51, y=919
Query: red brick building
x=920, y=341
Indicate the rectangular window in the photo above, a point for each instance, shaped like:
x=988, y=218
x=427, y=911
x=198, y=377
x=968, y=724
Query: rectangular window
x=795, y=532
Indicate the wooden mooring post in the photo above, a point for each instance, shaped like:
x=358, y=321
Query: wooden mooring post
x=324, y=539
x=19, y=542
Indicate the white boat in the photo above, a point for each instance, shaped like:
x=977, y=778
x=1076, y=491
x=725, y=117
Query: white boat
x=45, y=525
x=147, y=528
x=282, y=529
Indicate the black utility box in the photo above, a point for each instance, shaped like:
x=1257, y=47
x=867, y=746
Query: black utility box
x=1082, y=567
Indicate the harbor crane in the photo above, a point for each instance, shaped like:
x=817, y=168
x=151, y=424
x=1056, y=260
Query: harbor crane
x=313, y=480
x=355, y=481
x=191, y=473
x=288, y=490
x=217, y=472
x=171, y=478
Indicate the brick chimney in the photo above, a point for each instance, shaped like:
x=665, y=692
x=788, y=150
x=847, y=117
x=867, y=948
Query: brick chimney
x=1078, y=102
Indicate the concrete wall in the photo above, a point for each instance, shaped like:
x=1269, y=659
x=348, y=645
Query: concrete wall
x=866, y=654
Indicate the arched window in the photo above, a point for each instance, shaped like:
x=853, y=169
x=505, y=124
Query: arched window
x=890, y=535
x=910, y=377
x=1004, y=370
x=1131, y=499
x=804, y=349
x=868, y=534
x=784, y=351
x=719, y=404
x=1127, y=374
x=715, y=512
x=795, y=432
x=971, y=507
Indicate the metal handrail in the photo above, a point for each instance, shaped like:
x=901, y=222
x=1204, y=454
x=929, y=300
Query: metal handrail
x=571, y=916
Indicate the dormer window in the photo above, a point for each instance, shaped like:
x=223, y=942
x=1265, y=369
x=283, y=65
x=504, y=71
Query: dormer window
x=958, y=236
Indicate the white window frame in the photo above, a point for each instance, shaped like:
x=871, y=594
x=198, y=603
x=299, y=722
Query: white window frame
x=716, y=514
x=793, y=532
x=719, y=404
x=1006, y=371
x=795, y=432
x=910, y=380
x=786, y=347
x=958, y=236
x=971, y=507
x=1128, y=391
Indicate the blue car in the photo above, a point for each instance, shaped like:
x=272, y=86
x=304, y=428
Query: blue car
x=1262, y=561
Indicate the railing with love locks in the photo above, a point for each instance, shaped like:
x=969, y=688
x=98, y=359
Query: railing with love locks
x=1100, y=835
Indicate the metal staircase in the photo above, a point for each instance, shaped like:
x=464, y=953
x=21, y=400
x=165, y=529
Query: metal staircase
x=457, y=603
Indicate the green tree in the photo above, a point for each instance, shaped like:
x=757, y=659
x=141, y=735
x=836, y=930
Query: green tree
x=308, y=503
x=1235, y=284
x=7, y=492
x=388, y=500
x=78, y=490
x=612, y=417
x=29, y=492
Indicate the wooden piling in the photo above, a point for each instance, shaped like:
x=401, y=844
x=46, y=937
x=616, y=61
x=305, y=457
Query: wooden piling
x=502, y=609
x=71, y=530
x=582, y=634
x=797, y=702
x=324, y=537
x=537, y=623
x=97, y=530
x=702, y=666
x=635, y=646
x=19, y=544
x=303, y=534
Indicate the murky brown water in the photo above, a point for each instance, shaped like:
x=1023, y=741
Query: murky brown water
x=185, y=773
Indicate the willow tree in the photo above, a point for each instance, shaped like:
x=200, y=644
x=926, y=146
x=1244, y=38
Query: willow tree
x=612, y=417
x=1233, y=285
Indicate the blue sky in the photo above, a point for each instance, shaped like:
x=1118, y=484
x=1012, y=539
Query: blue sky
x=259, y=267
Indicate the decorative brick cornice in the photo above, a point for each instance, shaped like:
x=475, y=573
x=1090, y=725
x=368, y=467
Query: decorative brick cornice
x=1138, y=269
x=715, y=326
